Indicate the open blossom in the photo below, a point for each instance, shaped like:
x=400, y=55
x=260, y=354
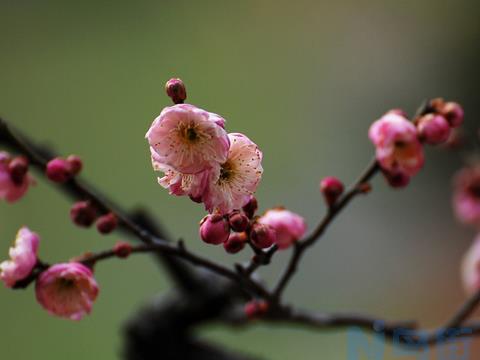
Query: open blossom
x=466, y=197
x=23, y=258
x=471, y=268
x=11, y=190
x=67, y=290
x=288, y=226
x=188, y=139
x=231, y=186
x=193, y=185
x=397, y=146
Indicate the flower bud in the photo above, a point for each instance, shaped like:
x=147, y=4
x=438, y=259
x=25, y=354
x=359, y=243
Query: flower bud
x=214, y=229
x=238, y=221
x=175, y=89
x=76, y=164
x=250, y=207
x=122, y=249
x=107, y=223
x=331, y=188
x=18, y=169
x=453, y=112
x=433, y=129
x=262, y=236
x=256, y=308
x=58, y=170
x=235, y=243
x=397, y=180
x=83, y=213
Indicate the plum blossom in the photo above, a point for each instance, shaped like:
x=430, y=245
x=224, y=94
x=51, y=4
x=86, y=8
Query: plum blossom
x=193, y=185
x=11, y=190
x=288, y=226
x=188, y=139
x=471, y=268
x=398, y=149
x=23, y=258
x=466, y=197
x=231, y=186
x=67, y=290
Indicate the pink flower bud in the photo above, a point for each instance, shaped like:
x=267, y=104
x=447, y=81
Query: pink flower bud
x=18, y=169
x=397, y=180
x=83, y=213
x=288, y=226
x=262, y=236
x=250, y=207
x=235, y=243
x=58, y=170
x=23, y=258
x=76, y=164
x=122, y=249
x=175, y=89
x=256, y=308
x=67, y=290
x=453, y=112
x=214, y=229
x=331, y=188
x=433, y=129
x=238, y=221
x=466, y=195
x=107, y=223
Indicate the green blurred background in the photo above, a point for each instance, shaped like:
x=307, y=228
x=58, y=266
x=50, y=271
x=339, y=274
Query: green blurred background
x=303, y=79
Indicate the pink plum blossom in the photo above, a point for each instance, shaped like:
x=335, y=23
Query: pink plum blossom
x=231, y=186
x=398, y=149
x=23, y=258
x=193, y=185
x=188, y=139
x=471, y=268
x=9, y=189
x=466, y=197
x=67, y=290
x=288, y=226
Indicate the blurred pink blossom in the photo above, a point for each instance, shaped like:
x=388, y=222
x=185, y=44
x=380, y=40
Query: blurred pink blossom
x=288, y=226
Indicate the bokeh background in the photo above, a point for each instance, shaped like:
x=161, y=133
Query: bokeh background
x=304, y=79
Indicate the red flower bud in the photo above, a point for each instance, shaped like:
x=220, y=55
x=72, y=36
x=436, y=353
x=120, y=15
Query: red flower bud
x=250, y=207
x=453, y=112
x=175, y=89
x=107, y=223
x=433, y=129
x=122, y=249
x=256, y=308
x=18, y=168
x=76, y=164
x=331, y=188
x=83, y=213
x=214, y=229
x=235, y=243
x=238, y=221
x=58, y=170
x=262, y=236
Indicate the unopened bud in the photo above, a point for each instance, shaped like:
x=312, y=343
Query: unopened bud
x=250, y=207
x=58, y=170
x=122, y=249
x=107, y=223
x=214, y=229
x=433, y=129
x=238, y=221
x=18, y=169
x=83, y=213
x=331, y=188
x=76, y=164
x=256, y=308
x=453, y=112
x=262, y=236
x=175, y=89
x=235, y=243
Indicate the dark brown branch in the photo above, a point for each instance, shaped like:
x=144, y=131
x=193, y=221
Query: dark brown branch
x=333, y=211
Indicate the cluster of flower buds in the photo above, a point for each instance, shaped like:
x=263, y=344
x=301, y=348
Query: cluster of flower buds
x=234, y=230
x=398, y=141
x=14, y=177
x=84, y=214
x=61, y=170
x=199, y=159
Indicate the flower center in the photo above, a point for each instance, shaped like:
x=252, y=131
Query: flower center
x=189, y=133
x=226, y=172
x=66, y=284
